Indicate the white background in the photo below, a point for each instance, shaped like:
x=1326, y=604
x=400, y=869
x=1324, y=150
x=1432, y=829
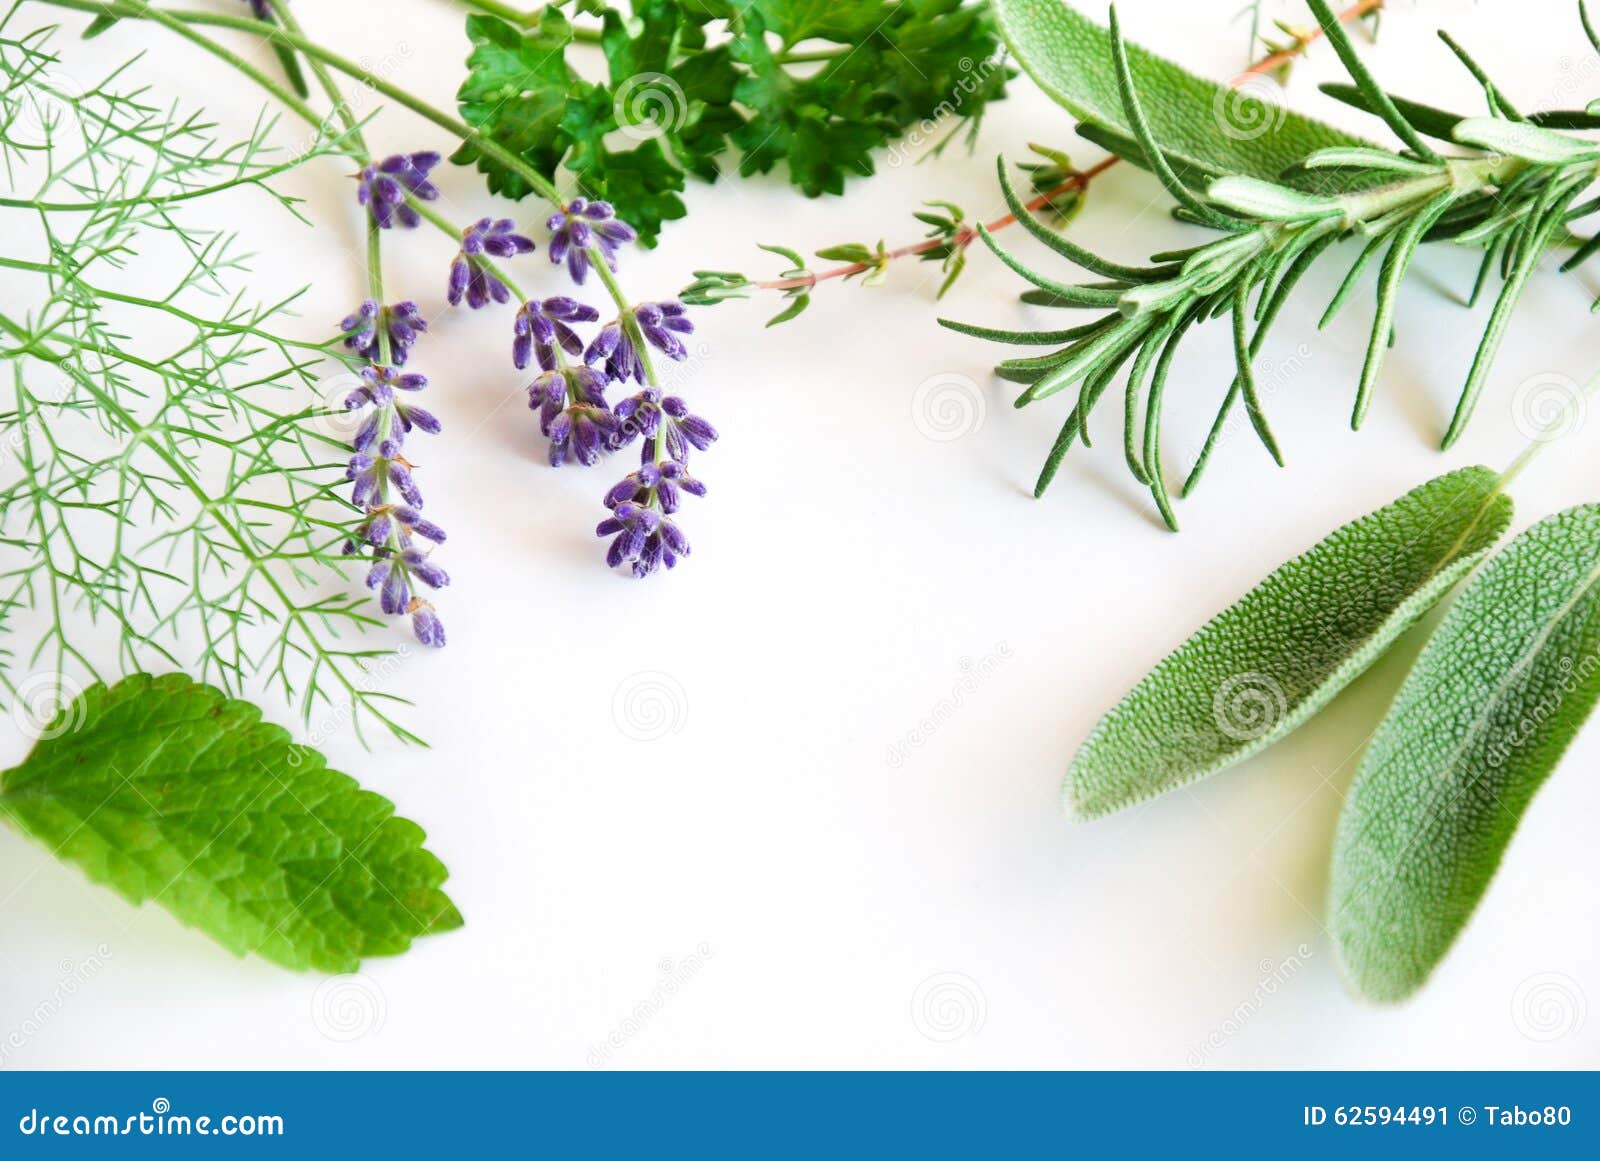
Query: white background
x=761, y=877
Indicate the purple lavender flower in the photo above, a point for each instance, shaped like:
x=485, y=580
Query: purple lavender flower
x=648, y=412
x=388, y=529
x=469, y=276
x=426, y=625
x=403, y=322
x=541, y=326
x=642, y=537
x=261, y=9
x=387, y=187
x=581, y=432
x=665, y=481
x=584, y=224
x=370, y=473
x=613, y=348
x=657, y=322
x=549, y=393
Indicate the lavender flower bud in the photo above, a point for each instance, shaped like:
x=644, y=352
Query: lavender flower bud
x=470, y=276
x=541, y=327
x=426, y=625
x=387, y=187
x=581, y=225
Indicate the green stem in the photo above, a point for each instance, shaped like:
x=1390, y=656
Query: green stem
x=222, y=327
x=335, y=98
x=259, y=177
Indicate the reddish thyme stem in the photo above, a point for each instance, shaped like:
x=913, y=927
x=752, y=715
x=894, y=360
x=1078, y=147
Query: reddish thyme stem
x=1077, y=182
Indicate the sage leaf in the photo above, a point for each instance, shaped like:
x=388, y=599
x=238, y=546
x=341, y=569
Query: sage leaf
x=1203, y=126
x=1484, y=716
x=1268, y=663
x=168, y=791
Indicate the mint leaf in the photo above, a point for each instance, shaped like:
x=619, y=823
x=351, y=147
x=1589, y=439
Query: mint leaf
x=1486, y=713
x=167, y=790
x=1206, y=127
x=1262, y=667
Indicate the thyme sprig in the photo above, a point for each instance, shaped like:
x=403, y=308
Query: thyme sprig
x=1059, y=191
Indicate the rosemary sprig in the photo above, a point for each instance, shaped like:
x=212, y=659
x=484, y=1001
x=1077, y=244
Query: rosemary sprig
x=1510, y=191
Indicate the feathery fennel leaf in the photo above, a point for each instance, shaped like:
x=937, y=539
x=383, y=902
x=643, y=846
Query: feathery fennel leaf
x=168, y=791
x=1483, y=718
x=1205, y=127
x=1265, y=665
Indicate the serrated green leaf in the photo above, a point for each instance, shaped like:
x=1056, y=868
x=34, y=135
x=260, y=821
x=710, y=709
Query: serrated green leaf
x=1481, y=721
x=168, y=791
x=1268, y=663
x=1202, y=125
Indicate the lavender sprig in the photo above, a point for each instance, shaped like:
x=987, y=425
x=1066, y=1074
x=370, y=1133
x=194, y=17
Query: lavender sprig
x=388, y=529
x=402, y=323
x=474, y=279
x=541, y=327
x=583, y=230
x=387, y=187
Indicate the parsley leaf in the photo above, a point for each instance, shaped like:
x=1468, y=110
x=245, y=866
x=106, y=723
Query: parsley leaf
x=812, y=84
x=167, y=790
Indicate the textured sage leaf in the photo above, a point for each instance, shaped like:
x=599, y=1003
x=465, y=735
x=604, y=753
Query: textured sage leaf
x=1204, y=126
x=1262, y=667
x=1482, y=719
x=168, y=791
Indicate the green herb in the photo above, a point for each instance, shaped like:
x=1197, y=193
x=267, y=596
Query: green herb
x=1268, y=663
x=1480, y=723
x=673, y=100
x=170, y=459
x=1071, y=59
x=1283, y=190
x=167, y=791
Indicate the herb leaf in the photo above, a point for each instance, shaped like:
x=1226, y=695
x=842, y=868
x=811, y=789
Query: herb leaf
x=1483, y=718
x=1204, y=127
x=881, y=66
x=1268, y=663
x=168, y=791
